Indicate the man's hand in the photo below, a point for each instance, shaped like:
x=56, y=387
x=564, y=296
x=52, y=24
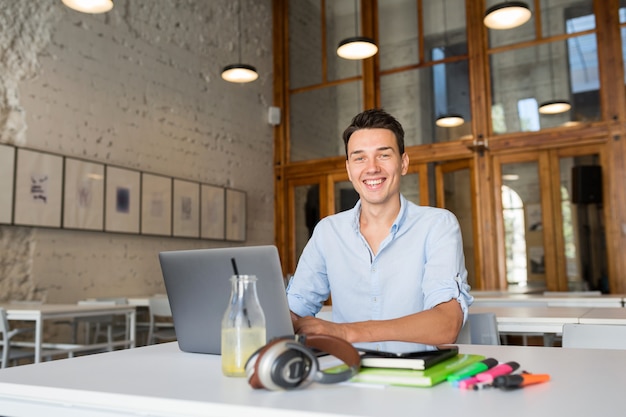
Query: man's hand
x=312, y=325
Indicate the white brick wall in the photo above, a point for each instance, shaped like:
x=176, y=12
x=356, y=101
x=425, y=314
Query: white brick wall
x=138, y=87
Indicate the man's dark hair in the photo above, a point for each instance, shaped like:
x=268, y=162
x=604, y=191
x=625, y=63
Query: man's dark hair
x=375, y=119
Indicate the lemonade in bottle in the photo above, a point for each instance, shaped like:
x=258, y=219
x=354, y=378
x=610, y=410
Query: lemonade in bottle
x=243, y=325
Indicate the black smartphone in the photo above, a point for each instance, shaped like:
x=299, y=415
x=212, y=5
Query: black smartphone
x=413, y=354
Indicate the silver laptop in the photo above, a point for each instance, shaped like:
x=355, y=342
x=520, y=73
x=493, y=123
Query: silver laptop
x=198, y=287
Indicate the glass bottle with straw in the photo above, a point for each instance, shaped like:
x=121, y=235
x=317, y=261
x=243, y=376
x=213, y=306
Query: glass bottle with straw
x=243, y=324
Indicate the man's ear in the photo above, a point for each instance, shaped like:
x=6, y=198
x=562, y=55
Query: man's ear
x=348, y=170
x=405, y=163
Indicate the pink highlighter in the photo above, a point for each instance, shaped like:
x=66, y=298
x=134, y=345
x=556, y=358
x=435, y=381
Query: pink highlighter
x=488, y=376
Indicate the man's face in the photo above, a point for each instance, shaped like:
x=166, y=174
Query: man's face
x=375, y=165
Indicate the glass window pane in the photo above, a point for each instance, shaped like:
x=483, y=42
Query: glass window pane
x=564, y=70
x=342, y=21
x=523, y=226
x=557, y=18
x=458, y=199
x=444, y=28
x=305, y=47
x=571, y=16
x=416, y=99
x=307, y=214
x=318, y=119
x=345, y=196
x=583, y=229
x=410, y=187
x=397, y=33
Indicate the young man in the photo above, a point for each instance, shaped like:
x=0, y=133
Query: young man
x=396, y=271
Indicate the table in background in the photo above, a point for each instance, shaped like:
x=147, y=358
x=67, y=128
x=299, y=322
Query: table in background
x=160, y=380
x=564, y=299
x=38, y=313
x=614, y=316
x=142, y=300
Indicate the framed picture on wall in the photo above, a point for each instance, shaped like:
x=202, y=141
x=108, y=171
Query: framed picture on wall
x=122, y=200
x=7, y=169
x=83, y=195
x=235, y=215
x=38, y=185
x=186, y=208
x=156, y=205
x=212, y=212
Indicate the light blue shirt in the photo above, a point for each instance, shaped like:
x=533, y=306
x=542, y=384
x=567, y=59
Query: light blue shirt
x=418, y=265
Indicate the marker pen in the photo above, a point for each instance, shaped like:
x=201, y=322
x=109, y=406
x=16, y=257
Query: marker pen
x=467, y=383
x=519, y=380
x=471, y=370
x=502, y=369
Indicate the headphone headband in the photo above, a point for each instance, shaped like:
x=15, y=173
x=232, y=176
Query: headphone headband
x=288, y=362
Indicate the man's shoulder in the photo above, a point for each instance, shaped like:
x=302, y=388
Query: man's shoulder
x=428, y=212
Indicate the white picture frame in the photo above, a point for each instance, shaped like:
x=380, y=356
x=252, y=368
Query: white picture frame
x=83, y=195
x=213, y=209
x=122, y=200
x=38, y=186
x=235, y=215
x=156, y=205
x=186, y=209
x=7, y=172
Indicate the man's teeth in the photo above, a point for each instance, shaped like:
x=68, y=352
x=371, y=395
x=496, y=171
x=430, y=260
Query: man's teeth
x=373, y=182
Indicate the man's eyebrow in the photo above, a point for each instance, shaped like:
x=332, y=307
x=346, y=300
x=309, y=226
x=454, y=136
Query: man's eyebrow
x=358, y=151
x=382, y=148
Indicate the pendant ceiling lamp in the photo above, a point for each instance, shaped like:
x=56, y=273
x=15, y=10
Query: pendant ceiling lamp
x=450, y=120
x=89, y=6
x=553, y=106
x=357, y=47
x=239, y=73
x=447, y=119
x=507, y=15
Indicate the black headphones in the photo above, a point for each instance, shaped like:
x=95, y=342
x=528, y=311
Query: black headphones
x=289, y=362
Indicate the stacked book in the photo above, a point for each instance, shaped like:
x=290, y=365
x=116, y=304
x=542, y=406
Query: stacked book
x=414, y=369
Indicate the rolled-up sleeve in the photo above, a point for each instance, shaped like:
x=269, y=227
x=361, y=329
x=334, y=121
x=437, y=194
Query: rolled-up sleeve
x=445, y=275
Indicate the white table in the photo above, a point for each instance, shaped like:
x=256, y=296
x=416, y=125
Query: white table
x=38, y=313
x=533, y=319
x=604, y=316
x=503, y=299
x=142, y=300
x=160, y=380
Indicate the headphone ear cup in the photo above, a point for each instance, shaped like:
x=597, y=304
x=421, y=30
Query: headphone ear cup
x=283, y=366
x=250, y=368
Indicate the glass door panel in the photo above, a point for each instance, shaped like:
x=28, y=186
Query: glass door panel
x=584, y=240
x=454, y=192
x=522, y=219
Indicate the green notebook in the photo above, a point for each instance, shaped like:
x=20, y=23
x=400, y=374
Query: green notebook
x=414, y=378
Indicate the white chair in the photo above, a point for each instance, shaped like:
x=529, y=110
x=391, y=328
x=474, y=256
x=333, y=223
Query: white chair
x=594, y=336
x=161, y=326
x=12, y=353
x=480, y=329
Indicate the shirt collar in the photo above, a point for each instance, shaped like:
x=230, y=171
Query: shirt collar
x=396, y=223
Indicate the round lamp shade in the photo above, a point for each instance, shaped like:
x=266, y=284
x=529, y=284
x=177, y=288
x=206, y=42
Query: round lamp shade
x=357, y=47
x=450, y=120
x=554, y=107
x=239, y=73
x=89, y=6
x=507, y=15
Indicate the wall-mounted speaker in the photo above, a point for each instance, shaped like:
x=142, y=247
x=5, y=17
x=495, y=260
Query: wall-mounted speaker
x=587, y=184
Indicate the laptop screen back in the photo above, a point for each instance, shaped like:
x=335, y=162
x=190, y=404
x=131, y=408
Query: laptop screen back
x=198, y=288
